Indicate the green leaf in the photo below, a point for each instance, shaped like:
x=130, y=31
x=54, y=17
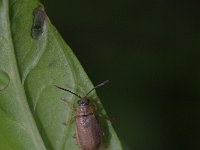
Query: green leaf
x=31, y=112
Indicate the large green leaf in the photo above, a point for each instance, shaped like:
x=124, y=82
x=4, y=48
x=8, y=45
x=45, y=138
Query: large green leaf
x=31, y=113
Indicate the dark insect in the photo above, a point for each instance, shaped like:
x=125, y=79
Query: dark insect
x=38, y=22
x=88, y=132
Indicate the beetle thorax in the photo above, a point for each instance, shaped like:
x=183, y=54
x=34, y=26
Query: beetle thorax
x=84, y=110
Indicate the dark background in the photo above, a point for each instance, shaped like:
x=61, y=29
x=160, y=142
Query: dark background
x=150, y=51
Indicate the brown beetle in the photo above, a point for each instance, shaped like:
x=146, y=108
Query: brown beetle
x=88, y=132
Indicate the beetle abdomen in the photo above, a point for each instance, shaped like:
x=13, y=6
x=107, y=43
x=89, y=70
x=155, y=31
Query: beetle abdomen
x=88, y=132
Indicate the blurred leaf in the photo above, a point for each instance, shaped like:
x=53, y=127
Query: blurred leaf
x=31, y=113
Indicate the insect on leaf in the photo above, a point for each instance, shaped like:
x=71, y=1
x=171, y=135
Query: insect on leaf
x=34, y=58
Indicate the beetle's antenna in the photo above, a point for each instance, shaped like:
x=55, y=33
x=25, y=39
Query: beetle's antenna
x=97, y=86
x=68, y=91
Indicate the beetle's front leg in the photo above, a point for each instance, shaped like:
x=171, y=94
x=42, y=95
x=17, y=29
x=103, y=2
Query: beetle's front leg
x=71, y=106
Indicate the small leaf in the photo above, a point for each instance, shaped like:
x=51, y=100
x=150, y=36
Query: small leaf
x=31, y=111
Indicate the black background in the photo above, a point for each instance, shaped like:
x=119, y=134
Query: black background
x=150, y=51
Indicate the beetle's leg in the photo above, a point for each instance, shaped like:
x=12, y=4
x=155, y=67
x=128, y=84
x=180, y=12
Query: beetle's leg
x=71, y=107
x=96, y=105
x=105, y=117
x=105, y=144
x=72, y=119
x=68, y=104
x=98, y=108
x=74, y=136
x=64, y=123
x=67, y=123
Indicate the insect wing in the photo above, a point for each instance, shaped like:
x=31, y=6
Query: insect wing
x=88, y=132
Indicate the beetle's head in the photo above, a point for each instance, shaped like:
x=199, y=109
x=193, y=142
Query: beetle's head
x=83, y=102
